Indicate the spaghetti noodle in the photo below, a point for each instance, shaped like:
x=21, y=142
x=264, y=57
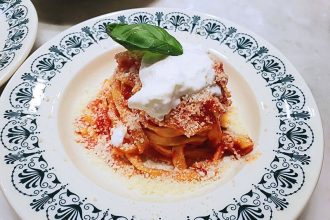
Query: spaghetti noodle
x=191, y=138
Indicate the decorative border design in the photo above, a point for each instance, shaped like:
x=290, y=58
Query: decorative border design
x=16, y=18
x=32, y=176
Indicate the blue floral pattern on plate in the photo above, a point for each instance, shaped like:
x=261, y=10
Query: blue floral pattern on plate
x=32, y=176
x=17, y=15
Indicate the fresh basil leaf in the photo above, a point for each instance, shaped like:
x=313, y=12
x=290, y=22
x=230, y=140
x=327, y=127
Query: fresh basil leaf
x=150, y=57
x=145, y=37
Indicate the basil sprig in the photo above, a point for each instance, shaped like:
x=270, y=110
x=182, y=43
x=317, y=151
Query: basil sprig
x=145, y=37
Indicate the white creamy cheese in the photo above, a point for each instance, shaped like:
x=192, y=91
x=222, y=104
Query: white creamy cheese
x=118, y=134
x=214, y=89
x=166, y=81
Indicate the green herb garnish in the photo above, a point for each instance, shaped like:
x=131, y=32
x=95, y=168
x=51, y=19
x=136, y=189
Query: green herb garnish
x=145, y=37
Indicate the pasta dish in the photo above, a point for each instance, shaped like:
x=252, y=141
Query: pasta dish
x=186, y=145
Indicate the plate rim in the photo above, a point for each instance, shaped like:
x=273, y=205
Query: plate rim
x=22, y=53
x=316, y=115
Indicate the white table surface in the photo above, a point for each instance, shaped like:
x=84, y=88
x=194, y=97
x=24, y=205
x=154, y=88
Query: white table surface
x=300, y=29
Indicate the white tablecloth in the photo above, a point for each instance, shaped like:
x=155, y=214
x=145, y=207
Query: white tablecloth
x=300, y=29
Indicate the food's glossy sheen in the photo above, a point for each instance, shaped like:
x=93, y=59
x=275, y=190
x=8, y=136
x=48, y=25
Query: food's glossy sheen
x=166, y=81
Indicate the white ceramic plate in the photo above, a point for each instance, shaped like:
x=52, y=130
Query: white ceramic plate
x=19, y=24
x=47, y=175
